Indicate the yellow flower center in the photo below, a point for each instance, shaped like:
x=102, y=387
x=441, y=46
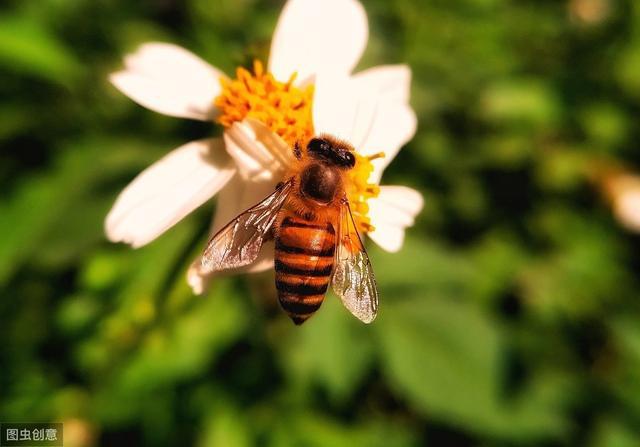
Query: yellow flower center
x=284, y=108
x=287, y=110
x=359, y=191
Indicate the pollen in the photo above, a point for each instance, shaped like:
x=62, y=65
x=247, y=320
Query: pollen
x=284, y=108
x=359, y=191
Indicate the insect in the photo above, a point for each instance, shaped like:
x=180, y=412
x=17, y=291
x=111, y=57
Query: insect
x=316, y=240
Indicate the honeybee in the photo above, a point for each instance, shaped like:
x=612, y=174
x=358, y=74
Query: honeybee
x=316, y=239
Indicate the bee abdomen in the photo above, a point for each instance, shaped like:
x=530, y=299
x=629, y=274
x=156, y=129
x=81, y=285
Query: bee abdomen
x=302, y=286
x=303, y=264
x=298, y=309
x=291, y=268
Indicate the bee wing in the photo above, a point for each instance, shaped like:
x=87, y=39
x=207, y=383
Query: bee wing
x=238, y=243
x=353, y=280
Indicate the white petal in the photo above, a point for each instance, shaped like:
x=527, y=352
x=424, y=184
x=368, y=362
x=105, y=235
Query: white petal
x=392, y=81
x=339, y=110
x=168, y=190
x=314, y=36
x=391, y=212
x=260, y=154
x=235, y=198
x=370, y=110
x=394, y=122
x=393, y=126
x=170, y=80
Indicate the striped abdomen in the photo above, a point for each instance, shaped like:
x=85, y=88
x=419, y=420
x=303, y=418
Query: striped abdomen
x=303, y=263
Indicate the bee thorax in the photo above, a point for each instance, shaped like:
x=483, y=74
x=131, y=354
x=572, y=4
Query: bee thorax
x=320, y=182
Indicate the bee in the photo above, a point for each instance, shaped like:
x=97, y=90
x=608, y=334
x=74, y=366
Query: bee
x=316, y=239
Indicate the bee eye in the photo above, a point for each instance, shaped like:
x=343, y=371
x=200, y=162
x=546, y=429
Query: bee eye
x=350, y=158
x=317, y=145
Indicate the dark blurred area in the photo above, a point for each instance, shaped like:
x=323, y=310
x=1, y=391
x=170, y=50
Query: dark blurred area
x=510, y=317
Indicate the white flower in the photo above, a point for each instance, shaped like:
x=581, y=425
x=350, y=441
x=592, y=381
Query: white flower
x=369, y=109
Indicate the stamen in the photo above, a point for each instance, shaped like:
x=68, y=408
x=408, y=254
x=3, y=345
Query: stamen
x=283, y=107
x=376, y=156
x=359, y=191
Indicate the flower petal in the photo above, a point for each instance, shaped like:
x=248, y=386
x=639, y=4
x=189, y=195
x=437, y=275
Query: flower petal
x=169, y=79
x=370, y=110
x=391, y=212
x=167, y=191
x=260, y=154
x=391, y=81
x=393, y=127
x=315, y=36
x=235, y=198
x=341, y=111
x=394, y=122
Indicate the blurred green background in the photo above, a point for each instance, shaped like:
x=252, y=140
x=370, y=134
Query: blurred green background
x=510, y=318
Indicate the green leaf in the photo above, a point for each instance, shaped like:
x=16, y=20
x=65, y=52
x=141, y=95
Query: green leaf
x=27, y=47
x=442, y=357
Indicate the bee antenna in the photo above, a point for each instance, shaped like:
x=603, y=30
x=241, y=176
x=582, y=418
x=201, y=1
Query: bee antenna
x=297, y=151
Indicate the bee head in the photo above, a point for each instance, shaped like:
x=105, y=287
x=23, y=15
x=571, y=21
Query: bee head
x=331, y=150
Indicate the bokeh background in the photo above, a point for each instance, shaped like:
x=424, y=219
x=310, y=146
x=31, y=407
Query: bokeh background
x=510, y=318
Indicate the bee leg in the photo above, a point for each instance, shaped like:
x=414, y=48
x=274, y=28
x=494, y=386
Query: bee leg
x=297, y=151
